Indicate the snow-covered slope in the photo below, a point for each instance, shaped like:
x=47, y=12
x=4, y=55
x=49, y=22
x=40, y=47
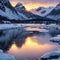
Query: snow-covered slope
x=41, y=11
x=21, y=9
x=8, y=13
x=55, y=13
x=9, y=26
x=6, y=10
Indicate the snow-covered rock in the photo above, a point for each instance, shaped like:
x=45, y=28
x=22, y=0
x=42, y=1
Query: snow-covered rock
x=19, y=7
x=5, y=56
x=9, y=26
x=55, y=39
x=53, y=29
x=8, y=11
x=54, y=55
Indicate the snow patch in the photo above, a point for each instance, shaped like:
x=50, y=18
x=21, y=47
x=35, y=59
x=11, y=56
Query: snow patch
x=43, y=12
x=4, y=56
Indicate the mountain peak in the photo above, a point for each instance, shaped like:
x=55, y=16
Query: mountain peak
x=20, y=7
x=57, y=7
x=58, y=4
x=19, y=4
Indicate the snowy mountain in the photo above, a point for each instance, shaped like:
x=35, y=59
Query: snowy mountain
x=6, y=10
x=41, y=11
x=14, y=14
x=21, y=9
x=55, y=13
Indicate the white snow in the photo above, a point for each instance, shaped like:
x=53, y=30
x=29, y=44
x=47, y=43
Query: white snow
x=58, y=7
x=48, y=10
x=55, y=17
x=50, y=55
x=12, y=15
x=55, y=39
x=9, y=14
x=22, y=16
x=4, y=56
x=19, y=6
x=9, y=26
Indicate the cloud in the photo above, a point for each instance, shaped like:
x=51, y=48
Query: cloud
x=41, y=1
x=30, y=4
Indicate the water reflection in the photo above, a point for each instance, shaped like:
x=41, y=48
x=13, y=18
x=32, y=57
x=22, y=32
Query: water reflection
x=30, y=49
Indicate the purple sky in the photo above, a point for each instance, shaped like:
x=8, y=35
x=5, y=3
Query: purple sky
x=35, y=3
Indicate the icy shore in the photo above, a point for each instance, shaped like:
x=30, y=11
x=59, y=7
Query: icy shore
x=5, y=56
x=54, y=55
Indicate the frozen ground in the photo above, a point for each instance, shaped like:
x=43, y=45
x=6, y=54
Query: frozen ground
x=56, y=39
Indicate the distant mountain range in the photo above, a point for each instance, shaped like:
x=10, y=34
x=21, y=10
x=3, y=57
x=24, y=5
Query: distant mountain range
x=51, y=12
x=18, y=12
x=42, y=11
x=21, y=9
x=55, y=13
x=8, y=12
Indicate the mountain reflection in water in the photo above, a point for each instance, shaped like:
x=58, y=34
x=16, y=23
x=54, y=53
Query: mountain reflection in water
x=30, y=48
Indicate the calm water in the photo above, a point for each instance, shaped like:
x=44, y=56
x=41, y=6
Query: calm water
x=32, y=46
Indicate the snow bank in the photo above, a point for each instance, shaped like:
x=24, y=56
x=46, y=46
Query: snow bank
x=55, y=55
x=56, y=39
x=9, y=26
x=4, y=56
x=53, y=29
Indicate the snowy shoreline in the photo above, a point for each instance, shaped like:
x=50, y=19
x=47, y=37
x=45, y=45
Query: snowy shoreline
x=14, y=31
x=5, y=56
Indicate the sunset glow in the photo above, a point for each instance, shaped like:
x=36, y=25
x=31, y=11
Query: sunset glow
x=33, y=5
x=31, y=48
x=13, y=3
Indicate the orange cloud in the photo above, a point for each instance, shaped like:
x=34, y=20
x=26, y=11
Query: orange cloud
x=30, y=6
x=13, y=3
x=33, y=5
